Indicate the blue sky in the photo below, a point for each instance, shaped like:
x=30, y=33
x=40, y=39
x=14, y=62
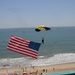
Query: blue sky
x=31, y=13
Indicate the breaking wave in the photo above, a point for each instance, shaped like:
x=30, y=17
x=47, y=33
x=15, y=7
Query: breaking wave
x=41, y=61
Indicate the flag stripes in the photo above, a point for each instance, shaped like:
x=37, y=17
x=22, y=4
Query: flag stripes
x=21, y=46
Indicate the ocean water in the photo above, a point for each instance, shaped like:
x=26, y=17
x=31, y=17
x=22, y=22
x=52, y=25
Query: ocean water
x=59, y=46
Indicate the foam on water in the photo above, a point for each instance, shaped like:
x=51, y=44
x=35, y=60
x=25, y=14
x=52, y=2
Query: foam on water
x=41, y=61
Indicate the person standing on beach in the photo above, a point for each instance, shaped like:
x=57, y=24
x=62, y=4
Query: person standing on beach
x=43, y=40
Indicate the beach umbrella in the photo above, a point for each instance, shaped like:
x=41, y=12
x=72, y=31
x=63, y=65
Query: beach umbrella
x=25, y=73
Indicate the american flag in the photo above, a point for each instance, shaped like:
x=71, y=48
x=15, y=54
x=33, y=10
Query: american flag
x=23, y=46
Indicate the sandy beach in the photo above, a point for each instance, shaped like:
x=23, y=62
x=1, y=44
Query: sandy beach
x=37, y=70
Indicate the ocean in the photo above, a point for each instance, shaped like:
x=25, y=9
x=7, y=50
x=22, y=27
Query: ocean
x=58, y=47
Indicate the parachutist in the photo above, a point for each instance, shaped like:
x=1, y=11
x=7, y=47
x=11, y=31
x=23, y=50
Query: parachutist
x=43, y=40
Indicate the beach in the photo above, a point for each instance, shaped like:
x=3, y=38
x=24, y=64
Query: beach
x=38, y=70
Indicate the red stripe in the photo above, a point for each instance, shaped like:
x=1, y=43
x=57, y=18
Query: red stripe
x=20, y=45
x=23, y=49
x=18, y=38
x=27, y=54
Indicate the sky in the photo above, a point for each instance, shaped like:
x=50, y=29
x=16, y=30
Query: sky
x=31, y=13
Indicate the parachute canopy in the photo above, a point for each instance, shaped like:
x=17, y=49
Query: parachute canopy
x=41, y=27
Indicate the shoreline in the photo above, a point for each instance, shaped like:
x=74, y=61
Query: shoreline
x=37, y=70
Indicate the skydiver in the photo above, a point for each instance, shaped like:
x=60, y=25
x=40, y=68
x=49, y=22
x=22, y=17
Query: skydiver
x=43, y=40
